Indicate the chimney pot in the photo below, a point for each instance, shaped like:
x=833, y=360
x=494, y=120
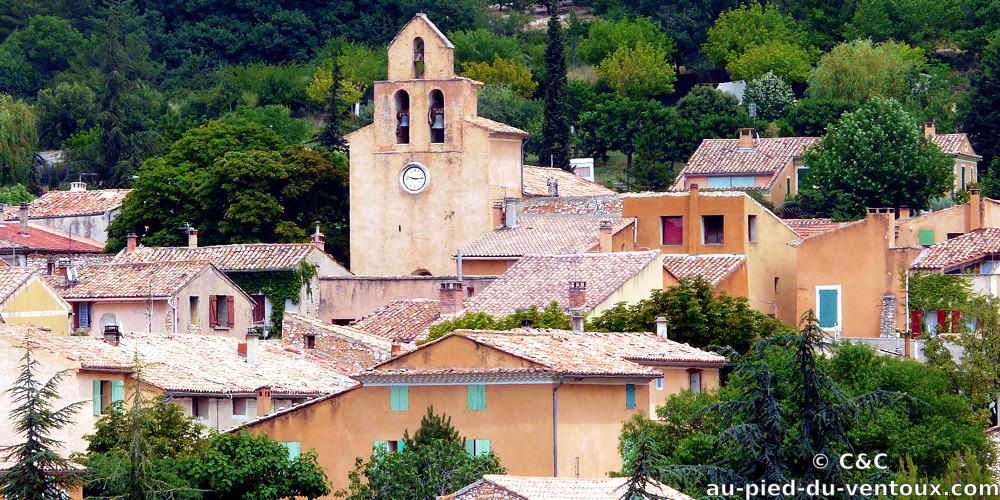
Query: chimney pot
x=132, y=241
x=192, y=238
x=510, y=212
x=661, y=327
x=605, y=237
x=24, y=219
x=553, y=185
x=903, y=212
x=263, y=401
x=395, y=350
x=452, y=297
x=930, y=129
x=112, y=335
x=746, y=138
x=253, y=336
x=497, y=215
x=577, y=294
x=318, y=238
x=75, y=187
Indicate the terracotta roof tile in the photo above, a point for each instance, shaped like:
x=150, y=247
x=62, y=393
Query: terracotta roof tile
x=811, y=227
x=609, y=205
x=241, y=257
x=537, y=280
x=496, y=127
x=962, y=249
x=544, y=235
x=403, y=320
x=723, y=156
x=349, y=333
x=66, y=203
x=713, y=268
x=12, y=279
x=561, y=488
x=951, y=144
x=135, y=280
x=46, y=239
x=535, y=182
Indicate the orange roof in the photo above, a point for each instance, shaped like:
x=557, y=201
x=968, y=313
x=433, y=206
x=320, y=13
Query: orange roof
x=964, y=249
x=45, y=239
x=609, y=205
x=403, y=320
x=496, y=127
x=68, y=203
x=12, y=279
x=724, y=156
x=951, y=144
x=811, y=227
x=544, y=235
x=538, y=280
x=535, y=183
x=135, y=280
x=348, y=333
x=240, y=257
x=559, y=488
x=713, y=268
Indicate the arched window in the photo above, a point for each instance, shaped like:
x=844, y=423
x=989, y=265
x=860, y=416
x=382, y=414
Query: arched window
x=435, y=116
x=421, y=272
x=402, y=101
x=418, y=58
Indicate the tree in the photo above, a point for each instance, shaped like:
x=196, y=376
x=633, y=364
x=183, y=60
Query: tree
x=982, y=118
x=703, y=100
x=696, y=315
x=502, y=72
x=49, y=43
x=18, y=141
x=787, y=60
x=62, y=111
x=707, y=113
x=256, y=467
x=859, y=70
x=641, y=72
x=17, y=76
x=923, y=23
x=331, y=136
x=770, y=95
x=503, y=104
x=612, y=124
x=277, y=118
x=433, y=463
x=876, y=156
x=811, y=117
x=36, y=471
x=555, y=125
x=482, y=46
x=752, y=40
x=605, y=37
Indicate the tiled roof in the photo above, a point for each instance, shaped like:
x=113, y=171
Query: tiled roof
x=241, y=257
x=723, y=156
x=349, y=333
x=535, y=182
x=403, y=320
x=496, y=127
x=610, y=205
x=189, y=363
x=962, y=249
x=135, y=280
x=543, y=235
x=811, y=227
x=537, y=280
x=67, y=203
x=46, y=239
x=12, y=279
x=713, y=268
x=951, y=144
x=563, y=488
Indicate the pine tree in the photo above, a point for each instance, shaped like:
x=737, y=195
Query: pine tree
x=331, y=136
x=555, y=126
x=433, y=428
x=35, y=459
x=110, y=119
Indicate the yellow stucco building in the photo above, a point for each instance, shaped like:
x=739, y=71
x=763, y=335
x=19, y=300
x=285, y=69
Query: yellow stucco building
x=27, y=299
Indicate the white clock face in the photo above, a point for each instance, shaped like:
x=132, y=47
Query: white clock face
x=414, y=178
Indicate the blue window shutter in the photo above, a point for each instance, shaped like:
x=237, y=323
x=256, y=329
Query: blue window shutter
x=117, y=390
x=97, y=397
x=720, y=182
x=470, y=446
x=482, y=446
x=926, y=236
x=828, y=308
x=381, y=445
x=400, y=398
x=477, y=397
x=630, y=396
x=400, y=445
x=294, y=449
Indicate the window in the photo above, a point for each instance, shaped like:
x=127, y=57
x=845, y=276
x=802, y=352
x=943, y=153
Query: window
x=788, y=186
x=399, y=398
x=694, y=380
x=775, y=284
x=402, y=117
x=221, y=311
x=239, y=406
x=630, y=396
x=259, y=305
x=828, y=303
x=310, y=341
x=435, y=116
x=659, y=383
x=926, y=236
x=963, y=177
x=391, y=446
x=107, y=392
x=673, y=230
x=81, y=316
x=752, y=227
x=193, y=309
x=199, y=408
x=738, y=181
x=294, y=449
x=712, y=229
x=954, y=235
x=801, y=173
x=476, y=447
x=418, y=58
x=477, y=397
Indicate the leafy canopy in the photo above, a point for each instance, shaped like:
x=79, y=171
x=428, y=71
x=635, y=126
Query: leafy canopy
x=642, y=71
x=605, y=37
x=859, y=70
x=502, y=72
x=751, y=40
x=550, y=317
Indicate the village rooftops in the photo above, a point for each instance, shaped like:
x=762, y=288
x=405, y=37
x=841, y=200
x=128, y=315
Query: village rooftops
x=556, y=488
x=137, y=280
x=714, y=268
x=538, y=280
x=404, y=320
x=954, y=253
x=609, y=205
x=535, y=182
x=544, y=235
x=73, y=203
x=41, y=238
x=811, y=227
x=231, y=258
x=954, y=145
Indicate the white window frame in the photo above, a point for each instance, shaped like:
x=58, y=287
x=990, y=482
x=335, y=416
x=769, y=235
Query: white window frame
x=659, y=383
x=840, y=308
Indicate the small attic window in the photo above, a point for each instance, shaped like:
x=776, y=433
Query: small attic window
x=418, y=58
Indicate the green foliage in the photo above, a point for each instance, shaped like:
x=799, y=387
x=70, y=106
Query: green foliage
x=263, y=84
x=168, y=431
x=696, y=314
x=963, y=468
x=34, y=419
x=482, y=46
x=982, y=119
x=876, y=156
x=17, y=76
x=555, y=123
x=431, y=464
x=933, y=291
x=703, y=100
x=502, y=72
x=641, y=72
x=771, y=96
x=811, y=117
x=924, y=23
x=18, y=140
x=752, y=40
x=275, y=117
x=787, y=60
x=15, y=195
x=503, y=104
x=859, y=70
x=550, y=317
x=62, y=111
x=277, y=287
x=607, y=37
x=49, y=43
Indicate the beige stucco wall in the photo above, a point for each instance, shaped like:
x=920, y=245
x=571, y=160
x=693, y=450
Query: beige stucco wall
x=636, y=288
x=37, y=303
x=438, y=58
x=94, y=226
x=357, y=296
x=768, y=258
x=675, y=380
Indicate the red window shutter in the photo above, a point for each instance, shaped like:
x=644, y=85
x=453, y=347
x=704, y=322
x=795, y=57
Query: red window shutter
x=673, y=230
x=76, y=315
x=213, y=311
x=955, y=317
x=230, y=305
x=942, y=321
x=915, y=322
x=258, y=308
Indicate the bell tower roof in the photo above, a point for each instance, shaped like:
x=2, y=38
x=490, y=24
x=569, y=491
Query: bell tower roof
x=421, y=51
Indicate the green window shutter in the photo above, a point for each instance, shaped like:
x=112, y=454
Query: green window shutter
x=482, y=446
x=294, y=449
x=399, y=398
x=97, y=397
x=630, y=396
x=381, y=445
x=400, y=445
x=470, y=447
x=963, y=177
x=926, y=236
x=477, y=397
x=828, y=308
x=117, y=391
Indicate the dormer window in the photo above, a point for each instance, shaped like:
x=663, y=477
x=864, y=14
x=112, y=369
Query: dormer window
x=402, y=102
x=418, y=58
x=435, y=116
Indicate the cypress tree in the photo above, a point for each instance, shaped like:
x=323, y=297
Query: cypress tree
x=331, y=135
x=555, y=127
x=982, y=121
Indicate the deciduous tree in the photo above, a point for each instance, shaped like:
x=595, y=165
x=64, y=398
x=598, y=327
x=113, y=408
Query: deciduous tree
x=751, y=40
x=859, y=70
x=641, y=72
x=605, y=37
x=982, y=120
x=502, y=72
x=769, y=95
x=18, y=140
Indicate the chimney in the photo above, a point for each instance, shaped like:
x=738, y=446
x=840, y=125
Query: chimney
x=903, y=212
x=252, y=347
x=693, y=221
x=318, y=238
x=577, y=294
x=24, y=219
x=576, y=318
x=75, y=187
x=975, y=211
x=192, y=238
x=510, y=212
x=661, y=327
x=132, y=241
x=112, y=335
x=930, y=129
x=497, y=215
x=553, y=185
x=395, y=350
x=263, y=401
x=605, y=237
x=452, y=297
x=746, y=138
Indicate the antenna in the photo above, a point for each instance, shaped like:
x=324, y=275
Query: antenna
x=753, y=110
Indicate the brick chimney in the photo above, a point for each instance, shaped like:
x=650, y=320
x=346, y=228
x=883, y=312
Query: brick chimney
x=253, y=336
x=131, y=241
x=510, y=212
x=497, y=215
x=661, y=327
x=192, y=238
x=318, y=238
x=974, y=215
x=395, y=350
x=553, y=185
x=452, y=297
x=930, y=129
x=605, y=237
x=24, y=219
x=577, y=294
x=903, y=213
x=746, y=138
x=263, y=401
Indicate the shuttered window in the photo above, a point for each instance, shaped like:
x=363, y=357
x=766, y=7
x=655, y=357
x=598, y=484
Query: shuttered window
x=630, y=396
x=926, y=236
x=477, y=397
x=476, y=447
x=673, y=230
x=829, y=308
x=98, y=400
x=294, y=449
x=399, y=398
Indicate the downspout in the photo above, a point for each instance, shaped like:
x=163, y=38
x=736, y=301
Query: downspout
x=173, y=317
x=555, y=428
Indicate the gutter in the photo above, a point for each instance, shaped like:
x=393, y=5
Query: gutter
x=555, y=427
x=174, y=318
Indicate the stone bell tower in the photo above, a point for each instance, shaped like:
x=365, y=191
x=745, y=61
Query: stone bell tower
x=426, y=173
